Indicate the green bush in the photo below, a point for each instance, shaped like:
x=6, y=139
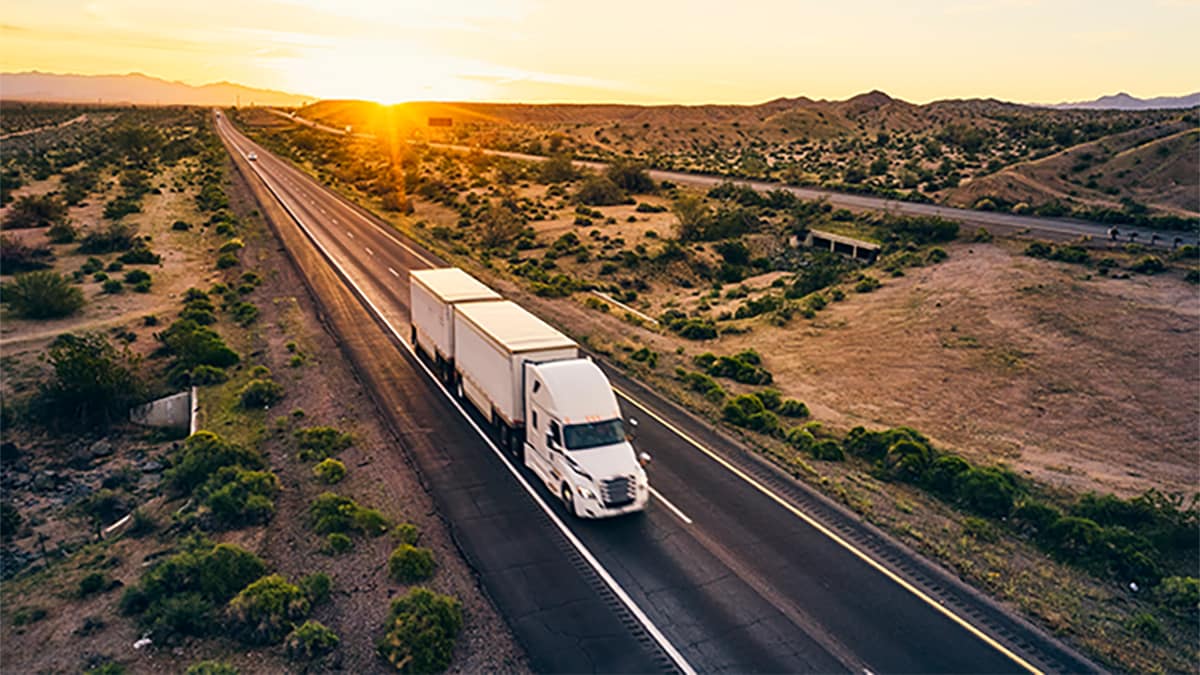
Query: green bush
x=16, y=256
x=1179, y=594
x=204, y=375
x=42, y=295
x=704, y=384
x=114, y=237
x=827, y=450
x=748, y=411
x=181, y=226
x=226, y=260
x=237, y=497
x=316, y=587
x=140, y=254
x=334, y=513
x=178, y=596
x=267, y=610
x=232, y=245
x=93, y=583
x=337, y=543
x=35, y=211
x=1144, y=624
x=942, y=475
x=1033, y=518
x=329, y=471
x=790, y=407
x=599, y=191
x=745, y=367
x=987, y=491
x=61, y=233
x=212, y=668
x=873, y=445
x=194, y=345
x=907, y=460
x=309, y=641
x=136, y=276
x=420, y=632
x=317, y=443
x=112, y=287
x=93, y=384
x=260, y=394
x=407, y=533
x=409, y=563
x=203, y=454
x=1148, y=265
x=800, y=438
x=866, y=284
x=771, y=398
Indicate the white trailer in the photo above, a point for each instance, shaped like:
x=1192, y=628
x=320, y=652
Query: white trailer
x=432, y=296
x=552, y=410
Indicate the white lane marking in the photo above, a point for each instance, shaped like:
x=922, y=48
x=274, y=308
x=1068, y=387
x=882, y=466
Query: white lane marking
x=394, y=273
x=674, y=509
x=834, y=536
x=349, y=234
x=583, y=550
x=369, y=251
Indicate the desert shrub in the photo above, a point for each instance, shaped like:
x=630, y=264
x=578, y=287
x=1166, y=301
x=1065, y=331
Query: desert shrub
x=237, y=497
x=232, y=245
x=987, y=491
x=557, y=169
x=334, y=513
x=942, y=475
x=203, y=454
x=140, y=255
x=226, y=260
x=800, y=438
x=93, y=383
x=136, y=276
x=982, y=236
x=10, y=521
x=193, y=344
x=980, y=529
x=790, y=407
x=260, y=393
x=102, y=506
x=704, y=384
x=748, y=411
x=599, y=191
x=179, y=595
x=918, y=230
x=1039, y=249
x=873, y=445
x=61, y=233
x=267, y=610
x=316, y=587
x=113, y=237
x=409, y=563
x=745, y=367
x=907, y=460
x=1179, y=594
x=35, y=211
x=1148, y=265
x=866, y=284
x=936, y=255
x=244, y=313
x=181, y=226
x=827, y=450
x=644, y=207
x=41, y=295
x=309, y=641
x=92, y=584
x=112, y=286
x=317, y=443
x=204, y=374
x=407, y=533
x=329, y=471
x=1077, y=255
x=17, y=256
x=771, y=398
x=420, y=632
x=211, y=668
x=337, y=543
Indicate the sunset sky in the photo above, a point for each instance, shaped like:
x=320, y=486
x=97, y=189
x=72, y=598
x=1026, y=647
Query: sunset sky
x=639, y=51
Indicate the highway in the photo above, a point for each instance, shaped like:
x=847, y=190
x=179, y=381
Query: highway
x=732, y=568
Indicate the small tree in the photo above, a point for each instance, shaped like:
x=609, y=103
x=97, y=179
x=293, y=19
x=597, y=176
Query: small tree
x=630, y=176
x=599, y=191
x=36, y=211
x=693, y=213
x=421, y=631
x=93, y=383
x=498, y=226
x=558, y=169
x=42, y=295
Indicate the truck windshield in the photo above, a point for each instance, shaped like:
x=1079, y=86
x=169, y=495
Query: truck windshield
x=594, y=434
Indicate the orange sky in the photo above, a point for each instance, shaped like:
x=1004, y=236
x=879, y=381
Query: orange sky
x=683, y=51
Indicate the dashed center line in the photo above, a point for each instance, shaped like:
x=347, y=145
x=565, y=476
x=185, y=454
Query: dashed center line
x=674, y=509
x=369, y=251
x=394, y=273
x=349, y=234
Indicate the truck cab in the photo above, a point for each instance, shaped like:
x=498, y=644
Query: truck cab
x=576, y=443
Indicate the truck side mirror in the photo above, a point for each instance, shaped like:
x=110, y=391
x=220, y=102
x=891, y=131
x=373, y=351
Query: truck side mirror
x=632, y=434
x=550, y=441
x=644, y=459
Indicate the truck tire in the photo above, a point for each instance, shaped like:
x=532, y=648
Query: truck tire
x=568, y=499
x=458, y=387
x=413, y=340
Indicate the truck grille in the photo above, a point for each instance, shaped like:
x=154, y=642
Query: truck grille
x=619, y=491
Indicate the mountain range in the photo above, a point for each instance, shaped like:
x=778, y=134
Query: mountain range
x=1124, y=101
x=135, y=88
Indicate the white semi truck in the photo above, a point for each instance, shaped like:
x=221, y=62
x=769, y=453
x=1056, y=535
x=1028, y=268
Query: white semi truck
x=552, y=410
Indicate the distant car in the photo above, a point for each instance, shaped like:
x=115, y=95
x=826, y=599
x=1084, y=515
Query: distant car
x=251, y=156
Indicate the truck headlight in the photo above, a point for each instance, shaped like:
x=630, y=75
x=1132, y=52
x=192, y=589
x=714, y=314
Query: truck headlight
x=585, y=492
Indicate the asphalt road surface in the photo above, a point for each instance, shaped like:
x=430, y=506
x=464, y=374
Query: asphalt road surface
x=732, y=568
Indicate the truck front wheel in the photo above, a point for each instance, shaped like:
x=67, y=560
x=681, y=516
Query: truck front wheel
x=568, y=499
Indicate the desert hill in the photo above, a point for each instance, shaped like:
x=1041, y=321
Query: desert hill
x=134, y=88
